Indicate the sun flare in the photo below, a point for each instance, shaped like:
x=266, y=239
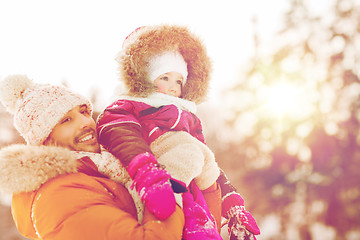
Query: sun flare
x=284, y=99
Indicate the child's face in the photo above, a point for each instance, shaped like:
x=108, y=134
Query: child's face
x=169, y=83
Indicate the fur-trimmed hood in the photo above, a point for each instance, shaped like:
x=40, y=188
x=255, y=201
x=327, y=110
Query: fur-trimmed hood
x=25, y=168
x=149, y=41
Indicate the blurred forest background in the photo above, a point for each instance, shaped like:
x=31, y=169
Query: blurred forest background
x=287, y=133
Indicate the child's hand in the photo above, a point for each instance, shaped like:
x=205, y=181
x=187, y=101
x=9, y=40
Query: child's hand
x=241, y=223
x=153, y=185
x=198, y=223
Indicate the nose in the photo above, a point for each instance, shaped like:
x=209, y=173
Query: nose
x=85, y=121
x=172, y=88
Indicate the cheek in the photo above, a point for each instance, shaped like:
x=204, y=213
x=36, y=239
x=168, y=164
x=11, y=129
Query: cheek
x=92, y=124
x=62, y=136
x=161, y=87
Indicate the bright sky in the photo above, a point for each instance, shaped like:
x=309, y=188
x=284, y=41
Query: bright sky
x=76, y=40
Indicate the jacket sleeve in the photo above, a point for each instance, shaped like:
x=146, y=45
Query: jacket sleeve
x=196, y=129
x=77, y=206
x=212, y=197
x=120, y=132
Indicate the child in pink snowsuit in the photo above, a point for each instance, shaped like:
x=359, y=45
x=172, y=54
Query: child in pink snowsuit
x=166, y=70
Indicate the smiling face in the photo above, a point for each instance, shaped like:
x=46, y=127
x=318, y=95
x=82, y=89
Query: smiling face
x=169, y=83
x=75, y=131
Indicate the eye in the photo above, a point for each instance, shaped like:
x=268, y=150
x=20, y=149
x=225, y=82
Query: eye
x=164, y=78
x=65, y=120
x=179, y=82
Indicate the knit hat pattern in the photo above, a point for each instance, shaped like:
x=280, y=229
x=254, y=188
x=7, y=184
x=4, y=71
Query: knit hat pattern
x=167, y=62
x=37, y=108
x=148, y=41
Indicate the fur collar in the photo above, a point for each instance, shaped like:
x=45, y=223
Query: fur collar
x=149, y=41
x=160, y=99
x=25, y=168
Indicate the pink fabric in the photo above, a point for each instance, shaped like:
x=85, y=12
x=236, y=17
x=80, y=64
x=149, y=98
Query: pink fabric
x=153, y=185
x=199, y=224
x=153, y=121
x=233, y=199
x=239, y=218
x=139, y=161
x=241, y=224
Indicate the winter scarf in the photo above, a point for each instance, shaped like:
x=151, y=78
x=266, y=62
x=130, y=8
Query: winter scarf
x=111, y=167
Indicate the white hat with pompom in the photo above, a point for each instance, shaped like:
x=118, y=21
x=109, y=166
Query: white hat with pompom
x=37, y=108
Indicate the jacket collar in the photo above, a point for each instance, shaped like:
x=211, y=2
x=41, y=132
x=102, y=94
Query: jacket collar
x=161, y=99
x=25, y=168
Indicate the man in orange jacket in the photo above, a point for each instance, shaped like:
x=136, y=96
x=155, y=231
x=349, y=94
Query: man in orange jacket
x=56, y=193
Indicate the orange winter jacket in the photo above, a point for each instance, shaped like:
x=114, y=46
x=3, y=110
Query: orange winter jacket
x=56, y=196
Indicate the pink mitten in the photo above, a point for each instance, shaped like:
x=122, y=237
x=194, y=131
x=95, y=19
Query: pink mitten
x=241, y=224
x=153, y=185
x=198, y=223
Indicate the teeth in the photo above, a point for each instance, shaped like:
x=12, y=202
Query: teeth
x=86, y=138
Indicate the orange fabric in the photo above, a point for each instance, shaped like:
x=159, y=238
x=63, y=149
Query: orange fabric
x=212, y=197
x=80, y=206
x=21, y=211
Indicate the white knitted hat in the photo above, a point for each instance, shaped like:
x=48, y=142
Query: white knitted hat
x=167, y=62
x=37, y=108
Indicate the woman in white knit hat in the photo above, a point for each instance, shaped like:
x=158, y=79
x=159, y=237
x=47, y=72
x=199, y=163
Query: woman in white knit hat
x=58, y=192
x=166, y=70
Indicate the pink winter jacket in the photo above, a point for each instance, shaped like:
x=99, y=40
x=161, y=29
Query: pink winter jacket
x=127, y=127
x=140, y=123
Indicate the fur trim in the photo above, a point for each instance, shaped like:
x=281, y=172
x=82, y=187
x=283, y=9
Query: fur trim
x=150, y=41
x=25, y=168
x=161, y=99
